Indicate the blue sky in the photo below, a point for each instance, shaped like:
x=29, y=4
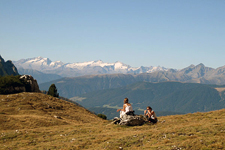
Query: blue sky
x=169, y=33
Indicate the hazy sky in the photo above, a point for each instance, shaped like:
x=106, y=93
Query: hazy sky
x=169, y=33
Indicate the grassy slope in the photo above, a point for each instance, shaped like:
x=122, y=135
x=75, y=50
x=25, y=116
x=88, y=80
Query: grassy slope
x=35, y=109
x=27, y=122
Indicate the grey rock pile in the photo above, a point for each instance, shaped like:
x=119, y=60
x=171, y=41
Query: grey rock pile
x=130, y=120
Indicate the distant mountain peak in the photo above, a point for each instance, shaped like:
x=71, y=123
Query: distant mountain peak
x=39, y=57
x=118, y=62
x=98, y=61
x=45, y=65
x=191, y=66
x=201, y=64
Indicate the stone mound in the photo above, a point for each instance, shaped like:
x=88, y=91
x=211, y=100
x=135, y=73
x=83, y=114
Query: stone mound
x=130, y=120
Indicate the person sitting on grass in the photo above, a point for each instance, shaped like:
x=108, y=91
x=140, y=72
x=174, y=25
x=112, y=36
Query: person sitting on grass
x=151, y=115
x=127, y=108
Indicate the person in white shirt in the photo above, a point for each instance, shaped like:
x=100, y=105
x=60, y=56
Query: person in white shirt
x=126, y=108
x=151, y=115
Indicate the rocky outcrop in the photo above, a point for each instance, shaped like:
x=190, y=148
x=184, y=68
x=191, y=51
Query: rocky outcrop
x=18, y=84
x=7, y=68
x=130, y=120
x=31, y=82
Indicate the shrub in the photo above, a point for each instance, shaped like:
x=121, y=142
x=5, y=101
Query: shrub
x=6, y=82
x=102, y=116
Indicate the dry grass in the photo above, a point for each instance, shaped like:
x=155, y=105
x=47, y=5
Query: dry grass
x=27, y=122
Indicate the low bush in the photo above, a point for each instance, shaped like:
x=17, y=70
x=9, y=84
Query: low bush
x=102, y=116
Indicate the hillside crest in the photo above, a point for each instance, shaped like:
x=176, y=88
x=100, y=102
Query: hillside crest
x=34, y=110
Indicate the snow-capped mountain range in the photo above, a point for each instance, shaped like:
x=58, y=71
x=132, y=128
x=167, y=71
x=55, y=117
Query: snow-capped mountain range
x=45, y=65
x=45, y=70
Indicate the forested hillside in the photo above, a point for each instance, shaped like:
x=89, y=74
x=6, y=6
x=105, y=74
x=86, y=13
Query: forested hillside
x=164, y=96
x=70, y=87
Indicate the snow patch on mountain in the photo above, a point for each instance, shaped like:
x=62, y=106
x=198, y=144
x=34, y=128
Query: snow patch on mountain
x=120, y=66
x=89, y=64
x=81, y=68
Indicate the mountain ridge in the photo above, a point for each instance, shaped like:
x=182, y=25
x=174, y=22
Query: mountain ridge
x=45, y=65
x=193, y=73
x=7, y=68
x=74, y=86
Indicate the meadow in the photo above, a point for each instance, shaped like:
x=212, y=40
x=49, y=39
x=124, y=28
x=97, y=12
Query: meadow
x=39, y=121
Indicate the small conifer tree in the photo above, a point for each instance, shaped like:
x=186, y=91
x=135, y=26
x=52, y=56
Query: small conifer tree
x=53, y=91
